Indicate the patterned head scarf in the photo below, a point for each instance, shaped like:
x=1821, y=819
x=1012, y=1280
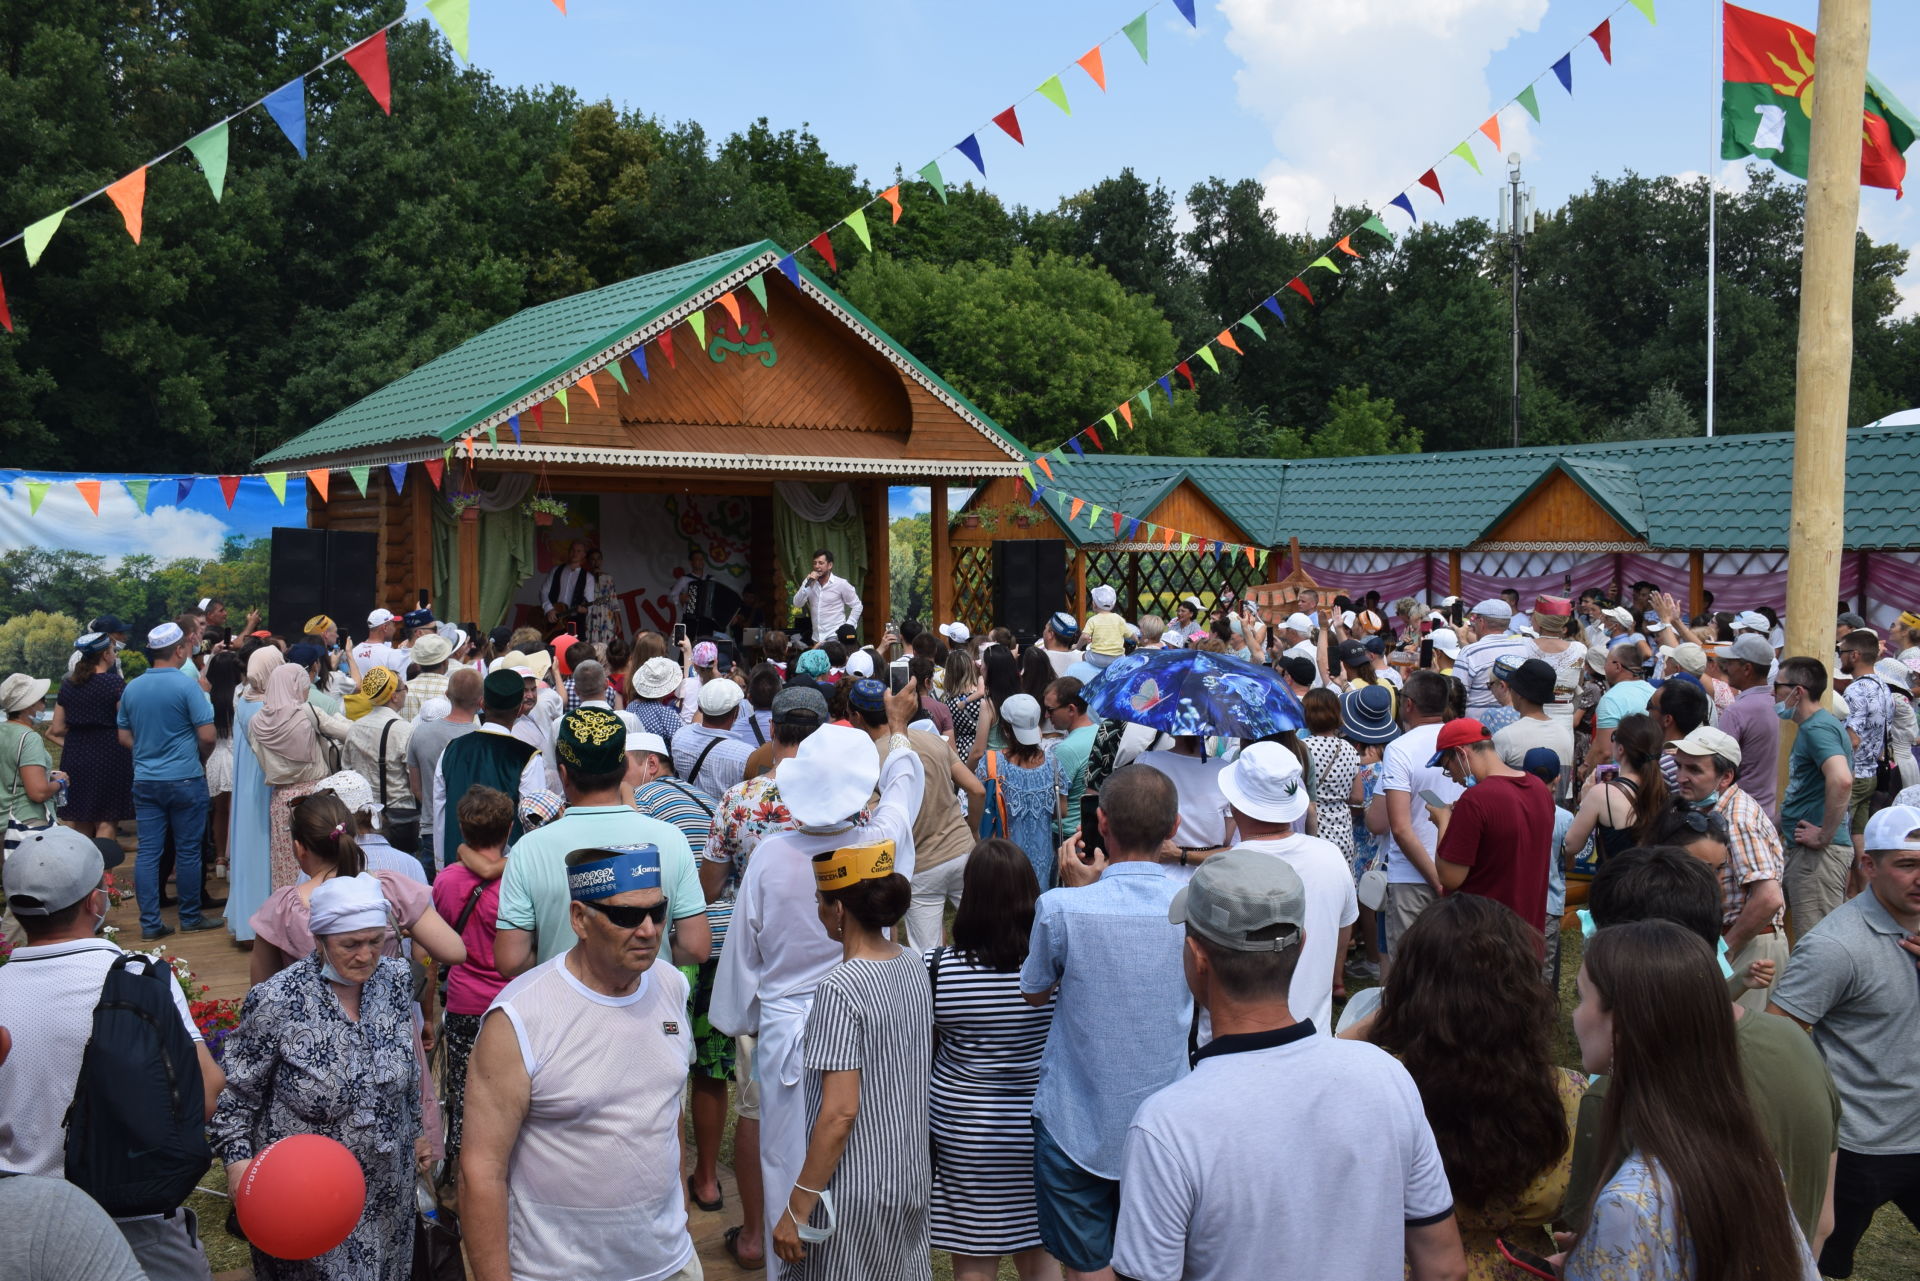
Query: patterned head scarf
x=377, y=685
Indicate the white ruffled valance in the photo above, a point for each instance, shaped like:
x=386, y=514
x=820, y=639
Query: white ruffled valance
x=802, y=500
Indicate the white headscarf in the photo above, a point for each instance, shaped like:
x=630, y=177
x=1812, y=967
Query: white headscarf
x=354, y=791
x=343, y=904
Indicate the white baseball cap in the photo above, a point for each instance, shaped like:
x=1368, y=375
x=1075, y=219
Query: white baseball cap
x=1021, y=713
x=958, y=633
x=379, y=617
x=1298, y=623
x=1705, y=740
x=1888, y=830
x=1446, y=640
x=1751, y=620
x=859, y=663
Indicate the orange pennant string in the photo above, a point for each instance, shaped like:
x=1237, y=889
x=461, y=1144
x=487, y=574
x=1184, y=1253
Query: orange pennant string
x=892, y=196
x=1091, y=63
x=320, y=478
x=593, y=393
x=129, y=195
x=89, y=490
x=1226, y=340
x=1492, y=129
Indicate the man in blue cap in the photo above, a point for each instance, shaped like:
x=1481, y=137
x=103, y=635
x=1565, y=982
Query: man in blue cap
x=573, y=1095
x=1058, y=638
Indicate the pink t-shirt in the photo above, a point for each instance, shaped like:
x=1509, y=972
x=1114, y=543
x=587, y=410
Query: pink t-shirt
x=282, y=919
x=472, y=986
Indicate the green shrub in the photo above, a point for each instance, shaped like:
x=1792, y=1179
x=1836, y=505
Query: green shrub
x=37, y=644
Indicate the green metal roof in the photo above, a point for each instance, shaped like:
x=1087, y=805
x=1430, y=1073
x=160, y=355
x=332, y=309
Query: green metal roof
x=1731, y=492
x=527, y=356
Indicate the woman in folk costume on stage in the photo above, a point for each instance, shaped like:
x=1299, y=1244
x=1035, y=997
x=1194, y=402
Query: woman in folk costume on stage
x=776, y=951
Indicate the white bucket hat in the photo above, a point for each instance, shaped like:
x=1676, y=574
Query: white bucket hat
x=657, y=678
x=831, y=777
x=1266, y=783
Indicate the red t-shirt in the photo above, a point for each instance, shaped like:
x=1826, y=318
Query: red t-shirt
x=1502, y=833
x=472, y=986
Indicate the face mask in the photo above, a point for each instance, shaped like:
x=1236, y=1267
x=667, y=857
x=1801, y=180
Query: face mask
x=1784, y=712
x=811, y=1234
x=332, y=975
x=1707, y=803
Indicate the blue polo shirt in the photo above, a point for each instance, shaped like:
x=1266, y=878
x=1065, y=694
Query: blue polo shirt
x=164, y=707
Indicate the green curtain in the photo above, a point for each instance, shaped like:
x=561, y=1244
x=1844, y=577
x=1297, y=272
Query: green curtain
x=796, y=540
x=506, y=561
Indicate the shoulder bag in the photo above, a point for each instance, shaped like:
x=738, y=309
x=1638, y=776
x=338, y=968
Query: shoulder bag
x=401, y=825
x=993, y=817
x=16, y=828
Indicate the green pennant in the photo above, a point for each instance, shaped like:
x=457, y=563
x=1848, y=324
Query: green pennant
x=1465, y=152
x=1323, y=261
x=561, y=396
x=1093, y=514
x=931, y=172
x=1146, y=402
x=698, y=323
x=1028, y=473
x=1378, y=228
x=1646, y=7
x=1185, y=539
x=493, y=435
x=39, y=233
x=757, y=286
x=1263, y=558
x=858, y=221
x=1254, y=325
x=614, y=369
x=138, y=490
x=1111, y=429
x=1531, y=103
x=1137, y=32
x=453, y=15
x=359, y=475
x=1053, y=91
x=210, y=149
x=277, y=482
x=36, y=494
x=1206, y=354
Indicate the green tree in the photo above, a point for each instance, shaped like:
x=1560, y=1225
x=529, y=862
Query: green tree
x=911, y=571
x=37, y=643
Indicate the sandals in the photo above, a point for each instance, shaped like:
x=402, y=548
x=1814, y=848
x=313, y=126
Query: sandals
x=718, y=1203
x=731, y=1241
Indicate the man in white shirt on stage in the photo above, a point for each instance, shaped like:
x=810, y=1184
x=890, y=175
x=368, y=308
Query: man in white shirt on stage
x=570, y=588
x=828, y=598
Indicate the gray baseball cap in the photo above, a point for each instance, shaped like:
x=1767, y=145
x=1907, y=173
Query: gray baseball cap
x=52, y=869
x=1747, y=648
x=800, y=705
x=1237, y=898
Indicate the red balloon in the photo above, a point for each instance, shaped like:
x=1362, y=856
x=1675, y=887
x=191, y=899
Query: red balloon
x=301, y=1197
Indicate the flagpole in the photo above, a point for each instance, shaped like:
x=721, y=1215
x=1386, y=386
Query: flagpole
x=1715, y=75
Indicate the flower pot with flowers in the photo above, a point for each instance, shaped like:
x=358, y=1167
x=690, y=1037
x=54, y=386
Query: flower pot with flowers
x=465, y=503
x=545, y=509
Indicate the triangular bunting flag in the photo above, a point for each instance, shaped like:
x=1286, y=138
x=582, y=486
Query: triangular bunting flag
x=969, y=147
x=1465, y=152
x=1564, y=70
x=1646, y=7
x=89, y=490
x=1137, y=32
x=1378, y=228
x=1133, y=527
x=593, y=392
x=566, y=414
x=1323, y=261
x=1225, y=339
x=1187, y=374
x=277, y=482
x=1431, y=181
x=562, y=6
x=892, y=196
x=858, y=221
x=1299, y=286
x=360, y=474
x=1185, y=541
x=1053, y=91
x=1093, y=434
x=790, y=269
x=369, y=61
x=1125, y=410
x=435, y=468
x=1095, y=66
x=698, y=323
x=182, y=488
x=129, y=196
x=1254, y=325
x=1037, y=491
x=1263, y=558
x=757, y=286
x=1603, y=36
x=665, y=341
x=452, y=16
x=539, y=418
x=230, y=485
x=1491, y=127
x=397, y=473
x=1166, y=385
x=1345, y=246
x=1074, y=515
x=1041, y=463
x=1073, y=443
x=1117, y=519
x=513, y=425
x=1186, y=11
x=619, y=377
x=6, y=317
x=823, y=245
x=137, y=490
x=39, y=233
x=1146, y=401
x=1272, y=304
x=1009, y=122
x=931, y=172
x=639, y=355
x=1249, y=552
x=1027, y=474
x=288, y=107
x=1403, y=201
x=210, y=149
x=1093, y=515
x=493, y=438
x=1206, y=354
x=1527, y=99
x=36, y=494
x=466, y=440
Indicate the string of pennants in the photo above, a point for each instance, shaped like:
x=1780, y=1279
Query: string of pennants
x=287, y=106
x=1137, y=529
x=177, y=488
x=1121, y=417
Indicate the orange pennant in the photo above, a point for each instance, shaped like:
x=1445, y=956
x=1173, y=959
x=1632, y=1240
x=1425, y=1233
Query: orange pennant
x=130, y=195
x=1126, y=411
x=593, y=393
x=1041, y=463
x=1492, y=130
x=89, y=490
x=1249, y=552
x=469, y=439
x=1074, y=515
x=1226, y=340
x=1166, y=537
x=730, y=305
x=892, y=196
x=1091, y=63
x=320, y=478
x=562, y=6
x=1345, y=246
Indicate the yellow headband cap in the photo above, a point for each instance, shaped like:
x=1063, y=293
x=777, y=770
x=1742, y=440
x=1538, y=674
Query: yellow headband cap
x=318, y=624
x=843, y=867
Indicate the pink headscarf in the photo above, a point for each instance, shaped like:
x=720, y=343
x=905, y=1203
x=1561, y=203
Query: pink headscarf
x=259, y=668
x=285, y=725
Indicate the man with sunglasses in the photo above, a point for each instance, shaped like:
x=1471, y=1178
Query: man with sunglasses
x=1707, y=761
x=1813, y=809
x=573, y=1095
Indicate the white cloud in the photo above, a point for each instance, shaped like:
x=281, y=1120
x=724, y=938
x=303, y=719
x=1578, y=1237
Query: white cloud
x=121, y=529
x=911, y=502
x=1341, y=140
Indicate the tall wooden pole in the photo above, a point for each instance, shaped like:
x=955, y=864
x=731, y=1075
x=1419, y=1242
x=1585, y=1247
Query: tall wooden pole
x=1826, y=329
x=940, y=552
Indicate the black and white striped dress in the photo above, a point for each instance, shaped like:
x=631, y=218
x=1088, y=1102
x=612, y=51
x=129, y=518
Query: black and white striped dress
x=985, y=1070
x=875, y=1017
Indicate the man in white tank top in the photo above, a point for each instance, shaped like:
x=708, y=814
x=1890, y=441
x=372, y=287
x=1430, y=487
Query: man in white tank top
x=571, y=1160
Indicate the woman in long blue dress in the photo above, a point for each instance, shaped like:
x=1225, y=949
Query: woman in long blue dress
x=1024, y=784
x=248, y=881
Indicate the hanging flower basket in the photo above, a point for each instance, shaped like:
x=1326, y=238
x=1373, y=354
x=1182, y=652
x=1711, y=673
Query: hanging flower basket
x=545, y=509
x=465, y=504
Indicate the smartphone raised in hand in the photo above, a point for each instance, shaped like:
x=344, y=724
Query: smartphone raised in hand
x=1090, y=842
x=1527, y=1261
x=679, y=634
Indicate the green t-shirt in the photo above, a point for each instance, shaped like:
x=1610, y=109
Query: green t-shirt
x=21, y=745
x=1071, y=755
x=1821, y=735
x=1792, y=1095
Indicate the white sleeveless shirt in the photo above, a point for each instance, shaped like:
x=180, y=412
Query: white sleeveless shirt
x=593, y=1187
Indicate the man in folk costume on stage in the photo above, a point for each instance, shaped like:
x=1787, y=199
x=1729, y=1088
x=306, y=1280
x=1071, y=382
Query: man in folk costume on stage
x=570, y=587
x=777, y=951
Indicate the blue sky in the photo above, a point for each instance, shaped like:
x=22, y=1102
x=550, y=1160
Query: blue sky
x=1346, y=101
x=168, y=528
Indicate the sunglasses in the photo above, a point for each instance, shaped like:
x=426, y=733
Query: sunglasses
x=1710, y=824
x=628, y=918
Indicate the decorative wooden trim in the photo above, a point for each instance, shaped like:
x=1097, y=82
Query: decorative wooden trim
x=1560, y=547
x=656, y=459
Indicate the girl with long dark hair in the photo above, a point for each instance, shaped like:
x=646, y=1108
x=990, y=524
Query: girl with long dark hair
x=1699, y=1196
x=1622, y=807
x=1000, y=679
x=224, y=675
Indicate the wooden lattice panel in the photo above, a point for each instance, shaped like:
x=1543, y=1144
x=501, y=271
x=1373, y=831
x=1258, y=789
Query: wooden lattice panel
x=1153, y=582
x=973, y=587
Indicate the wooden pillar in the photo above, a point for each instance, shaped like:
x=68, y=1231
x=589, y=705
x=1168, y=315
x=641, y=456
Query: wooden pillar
x=940, y=552
x=879, y=593
x=1696, y=582
x=420, y=517
x=1453, y=573
x=1079, y=604
x=470, y=573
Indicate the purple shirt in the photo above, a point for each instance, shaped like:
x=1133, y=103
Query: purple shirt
x=1753, y=724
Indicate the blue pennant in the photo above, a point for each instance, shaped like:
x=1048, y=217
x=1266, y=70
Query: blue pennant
x=969, y=147
x=1186, y=11
x=513, y=422
x=397, y=473
x=1073, y=443
x=639, y=355
x=1402, y=201
x=1166, y=385
x=1272, y=304
x=1037, y=491
x=1564, y=69
x=288, y=107
x=1132, y=525
x=790, y=269
x=185, y=488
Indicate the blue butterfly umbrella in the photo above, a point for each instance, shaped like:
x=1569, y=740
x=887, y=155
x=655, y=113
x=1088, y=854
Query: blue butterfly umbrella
x=1190, y=691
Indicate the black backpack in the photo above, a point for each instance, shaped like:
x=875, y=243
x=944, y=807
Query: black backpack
x=137, y=1127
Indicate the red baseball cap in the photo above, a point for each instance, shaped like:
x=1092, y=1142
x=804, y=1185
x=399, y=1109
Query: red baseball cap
x=1461, y=733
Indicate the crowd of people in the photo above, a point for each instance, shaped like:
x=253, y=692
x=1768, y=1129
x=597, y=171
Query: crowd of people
x=973, y=967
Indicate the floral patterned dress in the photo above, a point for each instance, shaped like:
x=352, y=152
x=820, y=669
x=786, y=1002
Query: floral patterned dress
x=298, y=1065
x=1634, y=1232
x=1366, y=846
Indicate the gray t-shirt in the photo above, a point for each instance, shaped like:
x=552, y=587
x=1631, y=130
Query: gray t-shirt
x=56, y=1232
x=430, y=738
x=1850, y=980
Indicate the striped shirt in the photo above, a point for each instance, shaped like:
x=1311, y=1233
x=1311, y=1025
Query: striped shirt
x=671, y=801
x=421, y=688
x=1475, y=665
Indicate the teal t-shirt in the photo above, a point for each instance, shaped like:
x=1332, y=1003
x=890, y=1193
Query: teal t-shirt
x=164, y=708
x=1821, y=735
x=1071, y=756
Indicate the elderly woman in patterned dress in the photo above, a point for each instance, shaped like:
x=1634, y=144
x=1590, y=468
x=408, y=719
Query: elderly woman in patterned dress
x=325, y=1046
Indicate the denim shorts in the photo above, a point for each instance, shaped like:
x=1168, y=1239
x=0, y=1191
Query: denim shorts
x=1078, y=1209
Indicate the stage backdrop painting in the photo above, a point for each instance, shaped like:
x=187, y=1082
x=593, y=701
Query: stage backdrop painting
x=646, y=541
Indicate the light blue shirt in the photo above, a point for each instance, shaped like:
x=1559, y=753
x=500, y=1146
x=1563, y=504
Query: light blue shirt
x=1122, y=1018
x=164, y=708
x=1628, y=698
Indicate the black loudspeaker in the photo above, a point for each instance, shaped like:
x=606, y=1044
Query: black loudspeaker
x=321, y=571
x=1029, y=582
